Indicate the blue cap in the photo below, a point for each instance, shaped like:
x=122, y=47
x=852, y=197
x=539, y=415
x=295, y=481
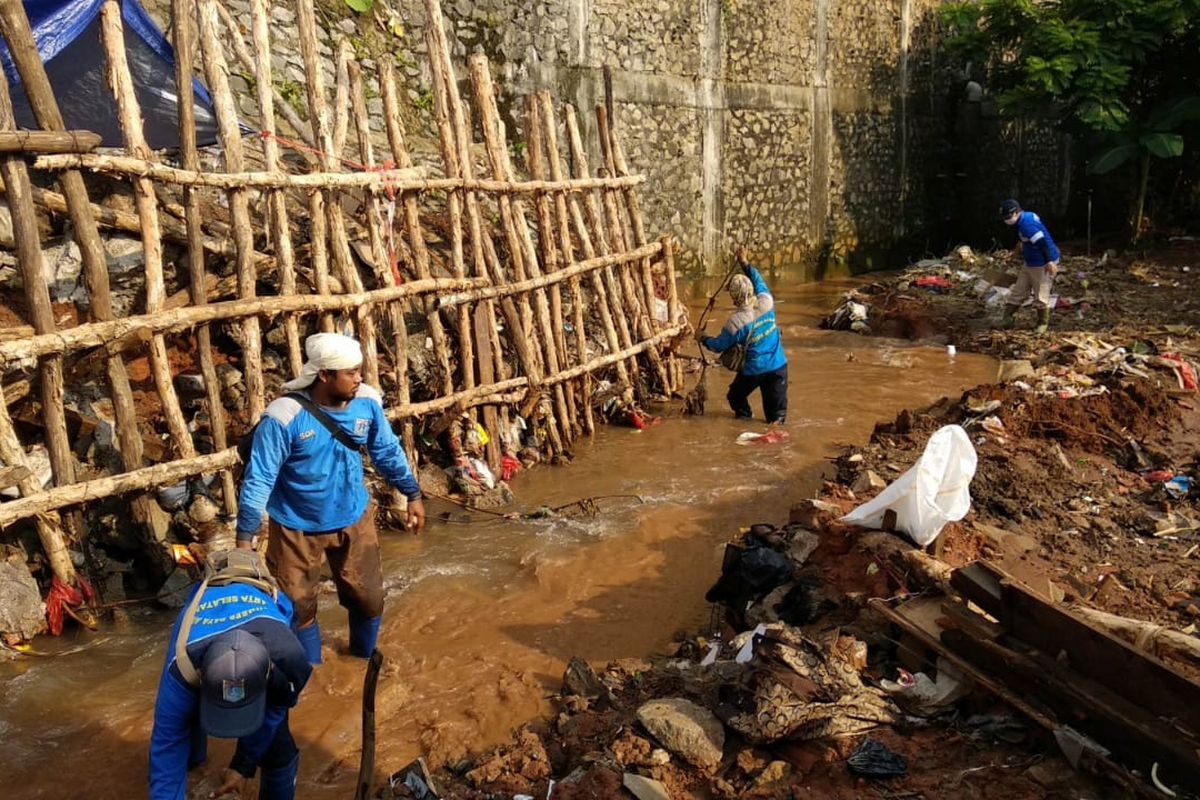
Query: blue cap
x=1008, y=207
x=233, y=692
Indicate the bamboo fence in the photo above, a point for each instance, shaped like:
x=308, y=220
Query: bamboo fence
x=531, y=265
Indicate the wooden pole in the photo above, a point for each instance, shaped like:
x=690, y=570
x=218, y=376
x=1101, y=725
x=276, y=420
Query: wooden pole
x=535, y=161
x=512, y=213
x=341, y=98
x=185, y=54
x=250, y=64
x=675, y=313
x=243, y=235
x=112, y=35
x=317, y=200
x=635, y=300
x=412, y=225
x=339, y=242
x=37, y=295
x=14, y=141
x=105, y=334
x=14, y=26
x=550, y=131
x=281, y=232
x=379, y=251
x=634, y=211
x=604, y=286
x=380, y=181
x=446, y=112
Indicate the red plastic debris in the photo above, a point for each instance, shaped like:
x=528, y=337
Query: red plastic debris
x=1185, y=371
x=509, y=466
x=62, y=595
x=932, y=282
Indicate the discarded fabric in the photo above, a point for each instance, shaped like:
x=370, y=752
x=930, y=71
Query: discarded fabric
x=872, y=760
x=934, y=491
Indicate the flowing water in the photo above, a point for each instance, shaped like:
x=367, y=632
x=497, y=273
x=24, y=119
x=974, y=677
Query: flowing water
x=482, y=617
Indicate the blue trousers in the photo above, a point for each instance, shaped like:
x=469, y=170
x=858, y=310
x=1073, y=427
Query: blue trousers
x=774, y=387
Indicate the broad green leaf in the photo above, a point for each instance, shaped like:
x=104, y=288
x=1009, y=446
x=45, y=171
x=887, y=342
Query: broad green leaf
x=1163, y=145
x=361, y=6
x=1169, y=115
x=1112, y=158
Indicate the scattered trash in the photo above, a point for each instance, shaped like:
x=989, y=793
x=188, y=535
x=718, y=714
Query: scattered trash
x=416, y=780
x=770, y=437
x=932, y=282
x=1179, y=486
x=920, y=695
x=872, y=759
x=934, y=491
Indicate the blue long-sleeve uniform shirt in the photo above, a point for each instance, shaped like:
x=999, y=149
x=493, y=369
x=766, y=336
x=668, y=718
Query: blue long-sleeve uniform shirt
x=1037, y=248
x=177, y=707
x=754, y=326
x=307, y=480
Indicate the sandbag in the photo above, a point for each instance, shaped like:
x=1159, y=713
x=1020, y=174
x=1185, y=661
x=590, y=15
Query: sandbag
x=934, y=491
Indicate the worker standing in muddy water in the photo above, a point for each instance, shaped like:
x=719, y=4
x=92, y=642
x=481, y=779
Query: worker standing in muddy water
x=305, y=471
x=751, y=346
x=1041, y=265
x=234, y=668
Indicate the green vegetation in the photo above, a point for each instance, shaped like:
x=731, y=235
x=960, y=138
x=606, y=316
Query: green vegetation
x=1119, y=74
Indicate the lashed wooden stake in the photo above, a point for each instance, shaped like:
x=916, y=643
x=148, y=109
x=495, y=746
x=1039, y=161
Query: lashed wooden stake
x=281, y=232
x=185, y=53
x=516, y=226
x=550, y=136
x=243, y=235
x=37, y=294
x=612, y=311
x=17, y=34
x=130, y=114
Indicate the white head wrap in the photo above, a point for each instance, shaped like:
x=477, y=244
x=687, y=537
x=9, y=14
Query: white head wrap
x=326, y=351
x=741, y=290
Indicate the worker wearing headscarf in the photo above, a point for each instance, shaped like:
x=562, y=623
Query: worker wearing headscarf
x=305, y=472
x=762, y=363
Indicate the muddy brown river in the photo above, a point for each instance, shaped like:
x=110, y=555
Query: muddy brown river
x=482, y=617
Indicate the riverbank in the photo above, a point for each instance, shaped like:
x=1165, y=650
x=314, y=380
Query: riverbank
x=1086, y=453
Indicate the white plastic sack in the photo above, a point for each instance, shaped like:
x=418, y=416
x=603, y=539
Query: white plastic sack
x=936, y=490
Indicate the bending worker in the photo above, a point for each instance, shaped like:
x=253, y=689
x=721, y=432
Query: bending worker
x=750, y=345
x=1041, y=265
x=305, y=471
x=233, y=670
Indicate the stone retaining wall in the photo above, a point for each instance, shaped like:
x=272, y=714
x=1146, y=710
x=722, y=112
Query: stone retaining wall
x=818, y=132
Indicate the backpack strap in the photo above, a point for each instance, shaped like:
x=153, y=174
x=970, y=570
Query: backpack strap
x=187, y=669
x=327, y=421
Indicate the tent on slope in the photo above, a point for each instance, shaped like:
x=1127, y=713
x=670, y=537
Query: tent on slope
x=67, y=34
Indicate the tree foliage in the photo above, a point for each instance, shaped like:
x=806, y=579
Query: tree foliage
x=1097, y=64
x=1124, y=74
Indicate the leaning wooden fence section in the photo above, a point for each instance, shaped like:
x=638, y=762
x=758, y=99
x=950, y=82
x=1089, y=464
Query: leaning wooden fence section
x=531, y=265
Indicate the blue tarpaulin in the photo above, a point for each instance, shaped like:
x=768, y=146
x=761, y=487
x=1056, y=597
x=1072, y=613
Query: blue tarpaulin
x=67, y=33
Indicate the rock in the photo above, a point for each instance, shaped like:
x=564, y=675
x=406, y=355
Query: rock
x=174, y=591
x=228, y=376
x=203, y=510
x=190, y=385
x=868, y=481
x=802, y=546
x=686, y=729
x=813, y=513
x=645, y=788
x=775, y=773
x=1014, y=370
x=581, y=680
x=63, y=264
x=22, y=613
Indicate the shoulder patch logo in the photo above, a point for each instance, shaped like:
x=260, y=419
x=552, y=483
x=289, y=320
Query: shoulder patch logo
x=306, y=435
x=361, y=426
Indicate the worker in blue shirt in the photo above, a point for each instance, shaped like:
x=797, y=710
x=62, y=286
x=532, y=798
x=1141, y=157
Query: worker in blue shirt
x=305, y=471
x=750, y=344
x=1041, y=265
x=233, y=669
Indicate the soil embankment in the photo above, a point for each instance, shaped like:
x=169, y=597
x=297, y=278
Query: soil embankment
x=1084, y=492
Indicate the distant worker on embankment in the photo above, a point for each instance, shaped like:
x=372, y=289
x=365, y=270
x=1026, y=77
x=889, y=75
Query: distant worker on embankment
x=305, y=471
x=750, y=345
x=233, y=670
x=1041, y=265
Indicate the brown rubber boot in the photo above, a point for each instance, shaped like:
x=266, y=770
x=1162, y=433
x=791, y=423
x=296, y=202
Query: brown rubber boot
x=1009, y=319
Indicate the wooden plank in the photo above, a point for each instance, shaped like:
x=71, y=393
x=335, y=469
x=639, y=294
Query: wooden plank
x=1091, y=652
x=1137, y=738
x=1091, y=761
